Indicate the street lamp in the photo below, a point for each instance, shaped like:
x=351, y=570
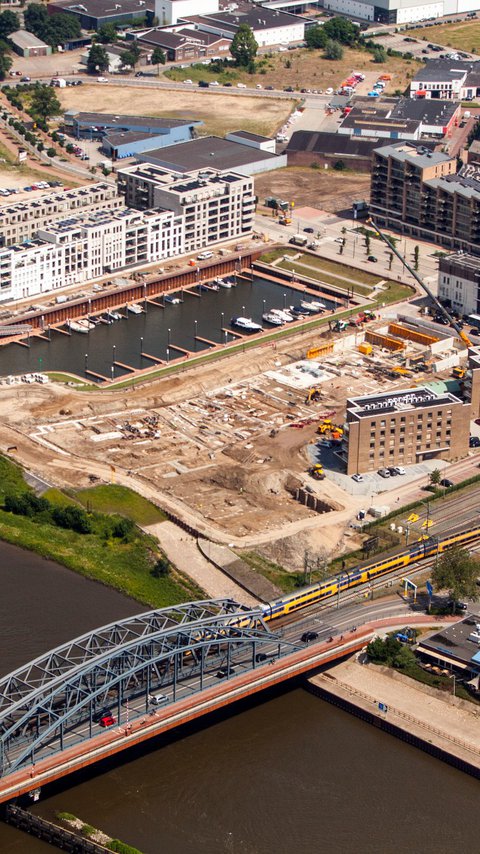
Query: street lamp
x=284, y=301
x=113, y=352
x=195, y=333
x=86, y=361
x=141, y=345
x=222, y=321
x=168, y=337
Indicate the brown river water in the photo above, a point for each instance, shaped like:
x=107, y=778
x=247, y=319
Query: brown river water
x=286, y=773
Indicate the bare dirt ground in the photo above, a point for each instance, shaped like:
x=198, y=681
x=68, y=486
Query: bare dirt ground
x=209, y=456
x=331, y=191
x=220, y=113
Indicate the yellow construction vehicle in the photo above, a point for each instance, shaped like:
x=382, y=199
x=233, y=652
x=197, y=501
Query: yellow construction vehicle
x=316, y=471
x=313, y=394
x=441, y=308
x=402, y=372
x=459, y=373
x=327, y=426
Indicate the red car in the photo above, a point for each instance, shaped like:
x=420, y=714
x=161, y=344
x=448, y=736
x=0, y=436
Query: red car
x=107, y=720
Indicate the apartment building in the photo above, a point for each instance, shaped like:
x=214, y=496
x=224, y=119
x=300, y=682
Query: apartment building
x=404, y=427
x=216, y=205
x=419, y=193
x=78, y=249
x=447, y=79
x=20, y=221
x=459, y=282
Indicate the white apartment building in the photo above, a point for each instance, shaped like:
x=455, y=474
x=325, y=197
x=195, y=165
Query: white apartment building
x=171, y=11
x=216, y=205
x=459, y=282
x=21, y=220
x=79, y=250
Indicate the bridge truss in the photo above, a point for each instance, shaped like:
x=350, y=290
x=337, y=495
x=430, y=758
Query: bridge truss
x=55, y=701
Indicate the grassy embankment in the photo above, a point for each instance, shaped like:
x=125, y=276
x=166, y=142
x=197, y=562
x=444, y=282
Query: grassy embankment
x=115, y=554
x=462, y=35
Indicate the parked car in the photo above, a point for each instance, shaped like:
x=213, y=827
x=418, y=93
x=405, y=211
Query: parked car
x=474, y=442
x=358, y=478
x=25, y=79
x=399, y=470
x=372, y=258
x=102, y=79
x=446, y=482
x=393, y=471
x=383, y=473
x=309, y=229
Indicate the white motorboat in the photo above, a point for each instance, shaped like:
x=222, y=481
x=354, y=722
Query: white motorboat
x=283, y=314
x=308, y=306
x=273, y=319
x=224, y=283
x=172, y=300
x=115, y=315
x=134, y=308
x=320, y=306
x=77, y=326
x=246, y=324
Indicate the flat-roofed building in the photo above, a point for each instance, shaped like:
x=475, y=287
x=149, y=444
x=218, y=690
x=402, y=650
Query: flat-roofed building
x=419, y=192
x=21, y=220
x=213, y=151
x=404, y=427
x=216, y=205
x=459, y=282
x=81, y=249
x=455, y=647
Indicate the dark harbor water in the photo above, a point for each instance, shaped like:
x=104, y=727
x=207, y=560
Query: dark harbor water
x=154, y=332
x=285, y=775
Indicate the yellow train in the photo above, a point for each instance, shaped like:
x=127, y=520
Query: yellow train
x=359, y=575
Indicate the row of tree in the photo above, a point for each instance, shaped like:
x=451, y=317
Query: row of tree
x=98, y=62
x=9, y=23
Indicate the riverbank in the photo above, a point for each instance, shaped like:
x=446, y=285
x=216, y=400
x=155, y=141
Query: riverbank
x=442, y=725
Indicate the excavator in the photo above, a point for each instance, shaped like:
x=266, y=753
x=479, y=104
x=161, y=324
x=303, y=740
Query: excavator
x=441, y=308
x=313, y=394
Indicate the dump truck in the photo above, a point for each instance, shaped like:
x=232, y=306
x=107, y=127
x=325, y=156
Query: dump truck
x=316, y=471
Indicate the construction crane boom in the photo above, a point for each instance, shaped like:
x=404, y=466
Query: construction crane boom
x=451, y=321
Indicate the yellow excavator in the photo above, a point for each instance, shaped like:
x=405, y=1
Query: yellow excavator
x=327, y=426
x=313, y=394
x=441, y=308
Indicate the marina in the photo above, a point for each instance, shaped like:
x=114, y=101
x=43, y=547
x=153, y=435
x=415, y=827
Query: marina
x=158, y=330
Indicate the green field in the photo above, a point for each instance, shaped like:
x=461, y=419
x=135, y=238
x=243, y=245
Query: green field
x=121, y=500
x=111, y=552
x=463, y=35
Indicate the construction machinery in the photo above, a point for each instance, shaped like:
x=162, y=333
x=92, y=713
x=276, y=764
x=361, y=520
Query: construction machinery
x=459, y=373
x=285, y=220
x=327, y=426
x=316, y=471
x=438, y=305
x=313, y=395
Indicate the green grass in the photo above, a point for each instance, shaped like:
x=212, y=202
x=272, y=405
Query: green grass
x=287, y=581
x=202, y=72
x=318, y=274
x=462, y=35
x=59, y=377
x=122, y=501
x=124, y=565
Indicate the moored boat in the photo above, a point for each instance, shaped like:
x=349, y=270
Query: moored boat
x=284, y=314
x=134, y=308
x=273, y=319
x=246, y=324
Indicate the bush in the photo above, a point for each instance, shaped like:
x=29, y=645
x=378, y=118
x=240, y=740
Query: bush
x=51, y=152
x=73, y=518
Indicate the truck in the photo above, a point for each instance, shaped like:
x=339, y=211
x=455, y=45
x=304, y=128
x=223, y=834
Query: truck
x=59, y=82
x=298, y=240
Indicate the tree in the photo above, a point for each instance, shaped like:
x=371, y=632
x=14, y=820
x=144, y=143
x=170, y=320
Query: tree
x=5, y=65
x=333, y=50
x=457, y=571
x=341, y=30
x=416, y=254
x=9, y=23
x=435, y=477
x=244, y=47
x=379, y=54
x=97, y=59
x=53, y=29
x=315, y=36
x=44, y=103
x=131, y=56
x=158, y=58
x=107, y=33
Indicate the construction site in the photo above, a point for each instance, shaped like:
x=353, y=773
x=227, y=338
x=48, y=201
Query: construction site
x=231, y=447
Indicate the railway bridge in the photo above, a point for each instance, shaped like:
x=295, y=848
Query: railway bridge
x=133, y=679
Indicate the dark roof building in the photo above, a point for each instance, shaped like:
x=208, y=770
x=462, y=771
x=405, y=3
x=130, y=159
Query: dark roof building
x=306, y=147
x=214, y=152
x=269, y=26
x=455, y=647
x=184, y=43
x=93, y=13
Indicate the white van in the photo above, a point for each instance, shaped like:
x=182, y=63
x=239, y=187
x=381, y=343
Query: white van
x=158, y=699
x=204, y=256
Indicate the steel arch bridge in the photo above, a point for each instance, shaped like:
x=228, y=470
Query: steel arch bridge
x=55, y=701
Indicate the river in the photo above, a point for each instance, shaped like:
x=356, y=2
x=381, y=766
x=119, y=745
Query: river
x=286, y=774
x=154, y=332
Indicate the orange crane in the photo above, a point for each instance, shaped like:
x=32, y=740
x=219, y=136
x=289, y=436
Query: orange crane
x=453, y=323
